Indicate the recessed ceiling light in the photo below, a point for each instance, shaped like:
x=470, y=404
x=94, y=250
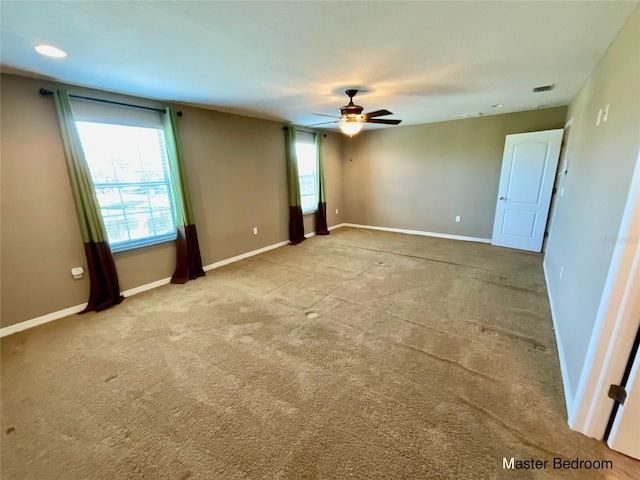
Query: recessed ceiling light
x=497, y=105
x=50, y=51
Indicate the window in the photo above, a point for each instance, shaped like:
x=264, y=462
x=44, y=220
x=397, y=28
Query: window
x=307, y=170
x=130, y=172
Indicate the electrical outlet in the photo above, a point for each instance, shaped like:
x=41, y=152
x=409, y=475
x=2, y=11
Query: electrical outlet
x=457, y=218
x=336, y=211
x=77, y=273
x=255, y=230
x=605, y=114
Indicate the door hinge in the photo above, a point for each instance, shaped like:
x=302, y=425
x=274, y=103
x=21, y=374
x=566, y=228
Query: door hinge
x=618, y=393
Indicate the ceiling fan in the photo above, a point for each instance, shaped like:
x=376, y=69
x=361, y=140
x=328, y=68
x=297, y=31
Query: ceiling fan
x=351, y=119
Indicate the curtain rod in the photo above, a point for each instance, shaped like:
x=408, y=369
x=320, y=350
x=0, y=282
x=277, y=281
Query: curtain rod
x=286, y=127
x=44, y=92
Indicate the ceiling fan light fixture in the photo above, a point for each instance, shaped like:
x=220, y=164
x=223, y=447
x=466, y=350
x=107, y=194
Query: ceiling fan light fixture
x=351, y=124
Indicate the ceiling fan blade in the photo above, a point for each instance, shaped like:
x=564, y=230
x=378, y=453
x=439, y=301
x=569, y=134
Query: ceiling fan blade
x=323, y=115
x=383, y=121
x=322, y=123
x=378, y=113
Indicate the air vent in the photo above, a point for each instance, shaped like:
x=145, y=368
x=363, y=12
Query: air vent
x=544, y=88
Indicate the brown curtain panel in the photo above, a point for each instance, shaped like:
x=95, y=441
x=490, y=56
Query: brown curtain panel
x=188, y=260
x=296, y=225
x=105, y=289
x=321, y=214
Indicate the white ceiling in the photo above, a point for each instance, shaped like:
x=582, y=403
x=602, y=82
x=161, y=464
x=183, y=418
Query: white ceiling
x=424, y=61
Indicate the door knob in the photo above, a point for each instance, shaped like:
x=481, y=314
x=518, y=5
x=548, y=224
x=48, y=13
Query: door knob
x=503, y=198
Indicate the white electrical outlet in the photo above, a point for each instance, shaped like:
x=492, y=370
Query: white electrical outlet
x=605, y=114
x=336, y=211
x=255, y=230
x=77, y=273
x=457, y=218
x=561, y=272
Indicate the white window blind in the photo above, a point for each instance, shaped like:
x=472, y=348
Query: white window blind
x=91, y=111
x=130, y=171
x=307, y=170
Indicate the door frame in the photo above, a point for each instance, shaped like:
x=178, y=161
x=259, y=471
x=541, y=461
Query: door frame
x=563, y=163
x=615, y=327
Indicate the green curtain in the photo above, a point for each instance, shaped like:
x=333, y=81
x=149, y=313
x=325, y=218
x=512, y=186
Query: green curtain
x=321, y=214
x=105, y=287
x=188, y=259
x=296, y=225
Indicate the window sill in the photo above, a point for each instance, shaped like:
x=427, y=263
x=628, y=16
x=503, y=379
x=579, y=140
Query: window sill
x=304, y=214
x=142, y=243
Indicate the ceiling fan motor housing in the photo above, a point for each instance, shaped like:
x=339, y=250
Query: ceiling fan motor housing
x=351, y=109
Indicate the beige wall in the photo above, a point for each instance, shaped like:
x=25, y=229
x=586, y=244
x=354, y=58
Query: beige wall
x=588, y=216
x=236, y=172
x=420, y=177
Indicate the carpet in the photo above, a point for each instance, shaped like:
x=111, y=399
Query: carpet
x=362, y=354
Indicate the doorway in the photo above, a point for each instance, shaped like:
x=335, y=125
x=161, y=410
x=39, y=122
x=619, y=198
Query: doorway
x=558, y=187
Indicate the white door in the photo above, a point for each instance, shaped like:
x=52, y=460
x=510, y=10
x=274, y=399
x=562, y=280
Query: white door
x=528, y=171
x=625, y=432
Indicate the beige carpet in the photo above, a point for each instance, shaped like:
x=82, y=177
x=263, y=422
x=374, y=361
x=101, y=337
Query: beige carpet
x=359, y=355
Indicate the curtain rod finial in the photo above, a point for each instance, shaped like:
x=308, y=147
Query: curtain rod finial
x=44, y=92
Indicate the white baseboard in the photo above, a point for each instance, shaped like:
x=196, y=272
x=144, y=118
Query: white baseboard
x=145, y=287
x=34, y=322
x=237, y=258
x=313, y=234
x=50, y=317
x=564, y=371
x=419, y=232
